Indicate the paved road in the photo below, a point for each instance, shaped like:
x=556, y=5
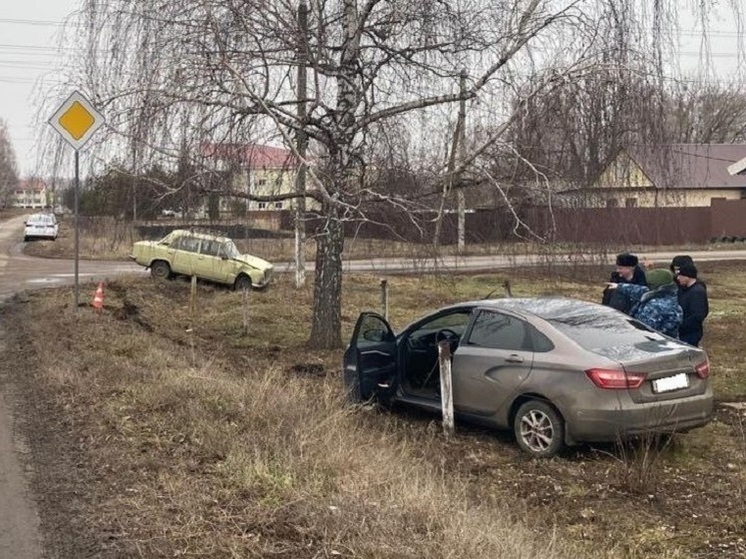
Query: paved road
x=496, y=262
x=19, y=272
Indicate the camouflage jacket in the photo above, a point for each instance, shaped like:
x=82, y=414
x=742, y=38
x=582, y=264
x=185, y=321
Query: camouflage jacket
x=658, y=308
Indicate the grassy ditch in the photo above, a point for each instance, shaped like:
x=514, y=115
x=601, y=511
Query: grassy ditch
x=177, y=434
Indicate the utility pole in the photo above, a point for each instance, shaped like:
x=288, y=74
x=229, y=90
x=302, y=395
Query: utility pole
x=134, y=181
x=301, y=147
x=461, y=132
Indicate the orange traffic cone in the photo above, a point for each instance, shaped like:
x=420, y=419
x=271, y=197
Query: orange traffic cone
x=98, y=297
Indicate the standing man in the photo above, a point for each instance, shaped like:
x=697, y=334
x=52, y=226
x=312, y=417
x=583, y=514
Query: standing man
x=627, y=271
x=693, y=302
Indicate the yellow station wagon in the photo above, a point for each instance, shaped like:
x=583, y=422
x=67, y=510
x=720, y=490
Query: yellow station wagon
x=206, y=256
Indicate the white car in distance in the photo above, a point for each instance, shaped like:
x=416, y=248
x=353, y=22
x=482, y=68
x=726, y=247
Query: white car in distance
x=41, y=226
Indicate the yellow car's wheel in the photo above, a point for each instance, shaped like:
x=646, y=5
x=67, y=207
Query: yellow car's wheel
x=160, y=270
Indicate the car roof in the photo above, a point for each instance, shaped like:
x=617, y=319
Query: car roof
x=200, y=235
x=548, y=308
x=35, y=217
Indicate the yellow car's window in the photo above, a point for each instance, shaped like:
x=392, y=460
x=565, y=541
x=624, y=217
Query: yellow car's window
x=190, y=244
x=210, y=248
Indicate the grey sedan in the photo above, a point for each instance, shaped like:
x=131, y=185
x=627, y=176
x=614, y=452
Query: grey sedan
x=556, y=371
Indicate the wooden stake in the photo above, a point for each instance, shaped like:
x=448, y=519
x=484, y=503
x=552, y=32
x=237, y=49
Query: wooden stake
x=446, y=387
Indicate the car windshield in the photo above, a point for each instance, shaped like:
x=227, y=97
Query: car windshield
x=230, y=250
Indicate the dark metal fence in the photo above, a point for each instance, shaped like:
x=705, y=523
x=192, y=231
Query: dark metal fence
x=723, y=220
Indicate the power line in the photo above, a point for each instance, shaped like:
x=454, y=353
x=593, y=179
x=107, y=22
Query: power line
x=39, y=22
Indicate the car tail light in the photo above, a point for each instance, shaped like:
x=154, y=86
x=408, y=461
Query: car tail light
x=615, y=378
x=703, y=369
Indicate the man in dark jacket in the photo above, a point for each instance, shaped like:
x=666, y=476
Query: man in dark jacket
x=694, y=304
x=627, y=271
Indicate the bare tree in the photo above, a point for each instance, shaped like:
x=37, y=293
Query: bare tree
x=8, y=169
x=225, y=70
x=701, y=113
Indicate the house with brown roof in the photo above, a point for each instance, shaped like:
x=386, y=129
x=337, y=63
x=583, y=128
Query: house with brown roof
x=256, y=169
x=31, y=192
x=671, y=175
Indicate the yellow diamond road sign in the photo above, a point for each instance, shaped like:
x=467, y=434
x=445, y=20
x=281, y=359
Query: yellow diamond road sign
x=76, y=120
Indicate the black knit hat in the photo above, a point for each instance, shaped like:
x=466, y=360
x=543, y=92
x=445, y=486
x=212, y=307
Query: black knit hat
x=688, y=270
x=626, y=259
x=680, y=260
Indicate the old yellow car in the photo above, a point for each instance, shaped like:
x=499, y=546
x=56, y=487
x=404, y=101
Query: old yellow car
x=208, y=257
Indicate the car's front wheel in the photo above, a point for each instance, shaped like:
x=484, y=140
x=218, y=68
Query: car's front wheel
x=539, y=429
x=160, y=270
x=242, y=282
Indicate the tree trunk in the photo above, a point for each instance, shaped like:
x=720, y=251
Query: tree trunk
x=326, y=327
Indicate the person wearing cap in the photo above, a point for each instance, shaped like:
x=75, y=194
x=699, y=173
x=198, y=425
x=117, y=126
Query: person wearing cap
x=693, y=302
x=678, y=261
x=627, y=271
x=656, y=305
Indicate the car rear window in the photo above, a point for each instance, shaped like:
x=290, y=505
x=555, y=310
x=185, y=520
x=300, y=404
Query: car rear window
x=598, y=330
x=592, y=326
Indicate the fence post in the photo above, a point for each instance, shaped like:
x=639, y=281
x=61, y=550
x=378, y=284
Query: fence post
x=245, y=306
x=385, y=297
x=192, y=317
x=193, y=301
x=446, y=386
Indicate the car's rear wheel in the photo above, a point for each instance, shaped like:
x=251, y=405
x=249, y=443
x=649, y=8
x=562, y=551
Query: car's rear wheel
x=242, y=282
x=539, y=429
x=160, y=270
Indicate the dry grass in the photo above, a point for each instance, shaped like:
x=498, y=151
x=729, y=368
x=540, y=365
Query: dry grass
x=211, y=443
x=225, y=452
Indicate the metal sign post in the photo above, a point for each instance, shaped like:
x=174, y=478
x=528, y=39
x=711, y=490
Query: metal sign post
x=76, y=121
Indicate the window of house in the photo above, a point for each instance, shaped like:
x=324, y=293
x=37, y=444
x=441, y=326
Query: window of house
x=261, y=182
x=499, y=331
x=612, y=203
x=278, y=205
x=262, y=205
x=630, y=203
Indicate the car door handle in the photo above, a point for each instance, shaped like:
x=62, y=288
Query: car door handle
x=375, y=352
x=514, y=358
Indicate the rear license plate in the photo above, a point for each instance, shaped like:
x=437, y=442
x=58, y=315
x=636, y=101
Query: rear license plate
x=675, y=382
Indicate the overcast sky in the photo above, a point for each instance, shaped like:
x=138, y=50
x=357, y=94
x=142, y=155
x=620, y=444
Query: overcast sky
x=30, y=59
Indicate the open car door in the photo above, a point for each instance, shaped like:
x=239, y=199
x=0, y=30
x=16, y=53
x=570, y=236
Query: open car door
x=370, y=364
